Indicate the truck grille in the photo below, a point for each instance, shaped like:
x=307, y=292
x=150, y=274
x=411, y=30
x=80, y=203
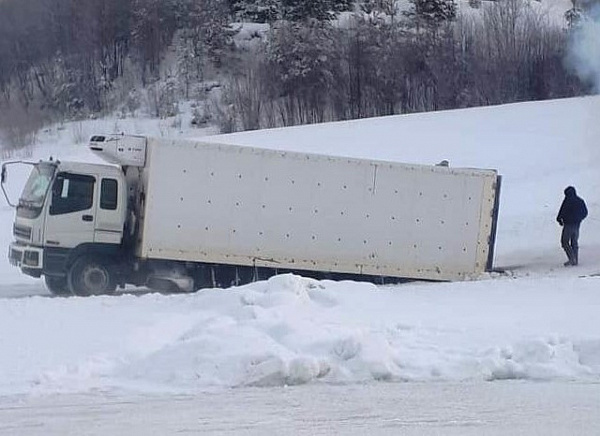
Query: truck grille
x=22, y=232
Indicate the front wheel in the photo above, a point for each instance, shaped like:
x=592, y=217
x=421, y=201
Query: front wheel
x=91, y=276
x=57, y=285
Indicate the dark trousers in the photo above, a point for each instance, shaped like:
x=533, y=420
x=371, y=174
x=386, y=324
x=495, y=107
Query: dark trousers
x=569, y=241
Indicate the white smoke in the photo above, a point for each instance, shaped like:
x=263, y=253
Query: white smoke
x=584, y=55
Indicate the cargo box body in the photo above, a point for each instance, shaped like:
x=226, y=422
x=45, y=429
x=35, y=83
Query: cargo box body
x=225, y=204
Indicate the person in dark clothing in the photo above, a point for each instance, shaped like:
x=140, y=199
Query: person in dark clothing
x=572, y=211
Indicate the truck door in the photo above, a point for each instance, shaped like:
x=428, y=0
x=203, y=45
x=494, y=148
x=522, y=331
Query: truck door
x=109, y=213
x=71, y=215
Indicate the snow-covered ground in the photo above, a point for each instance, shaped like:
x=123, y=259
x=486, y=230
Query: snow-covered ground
x=498, y=348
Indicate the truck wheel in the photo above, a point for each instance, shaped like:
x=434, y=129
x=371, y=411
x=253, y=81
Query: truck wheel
x=57, y=285
x=91, y=276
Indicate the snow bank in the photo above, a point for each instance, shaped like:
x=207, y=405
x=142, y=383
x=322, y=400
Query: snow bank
x=291, y=330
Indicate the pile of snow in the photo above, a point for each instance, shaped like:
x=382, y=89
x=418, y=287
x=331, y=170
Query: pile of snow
x=291, y=330
x=538, y=321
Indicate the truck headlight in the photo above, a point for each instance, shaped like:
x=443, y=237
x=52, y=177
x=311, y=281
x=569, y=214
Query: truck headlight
x=31, y=258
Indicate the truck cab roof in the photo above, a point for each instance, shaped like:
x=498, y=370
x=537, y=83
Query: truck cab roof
x=89, y=168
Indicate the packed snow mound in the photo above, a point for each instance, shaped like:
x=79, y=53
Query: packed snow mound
x=292, y=330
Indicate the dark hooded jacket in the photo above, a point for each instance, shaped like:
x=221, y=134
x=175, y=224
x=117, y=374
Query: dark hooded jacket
x=573, y=209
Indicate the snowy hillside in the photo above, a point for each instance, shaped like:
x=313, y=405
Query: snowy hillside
x=537, y=321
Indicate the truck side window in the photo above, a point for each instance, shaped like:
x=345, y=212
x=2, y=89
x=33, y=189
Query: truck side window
x=108, y=194
x=72, y=193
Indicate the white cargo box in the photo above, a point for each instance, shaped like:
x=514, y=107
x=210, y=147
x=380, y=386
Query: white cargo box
x=247, y=206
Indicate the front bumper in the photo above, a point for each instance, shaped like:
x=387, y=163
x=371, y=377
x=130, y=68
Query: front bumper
x=26, y=257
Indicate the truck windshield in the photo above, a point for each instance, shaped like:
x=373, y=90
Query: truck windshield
x=35, y=190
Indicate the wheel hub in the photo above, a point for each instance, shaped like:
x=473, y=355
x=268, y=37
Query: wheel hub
x=95, y=279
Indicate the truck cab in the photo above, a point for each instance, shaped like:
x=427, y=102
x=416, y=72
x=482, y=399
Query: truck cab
x=70, y=211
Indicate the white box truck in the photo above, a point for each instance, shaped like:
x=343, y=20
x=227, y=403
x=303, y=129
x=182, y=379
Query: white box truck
x=179, y=215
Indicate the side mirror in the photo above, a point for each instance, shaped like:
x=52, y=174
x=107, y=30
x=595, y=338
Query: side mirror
x=4, y=177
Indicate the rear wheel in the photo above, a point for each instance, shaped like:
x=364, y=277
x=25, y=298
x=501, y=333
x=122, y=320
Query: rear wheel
x=57, y=285
x=91, y=276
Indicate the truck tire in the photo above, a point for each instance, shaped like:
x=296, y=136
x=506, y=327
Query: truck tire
x=91, y=275
x=57, y=285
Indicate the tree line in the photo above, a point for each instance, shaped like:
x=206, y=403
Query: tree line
x=320, y=60
x=383, y=61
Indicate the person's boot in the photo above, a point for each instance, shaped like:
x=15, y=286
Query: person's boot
x=570, y=255
x=575, y=259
